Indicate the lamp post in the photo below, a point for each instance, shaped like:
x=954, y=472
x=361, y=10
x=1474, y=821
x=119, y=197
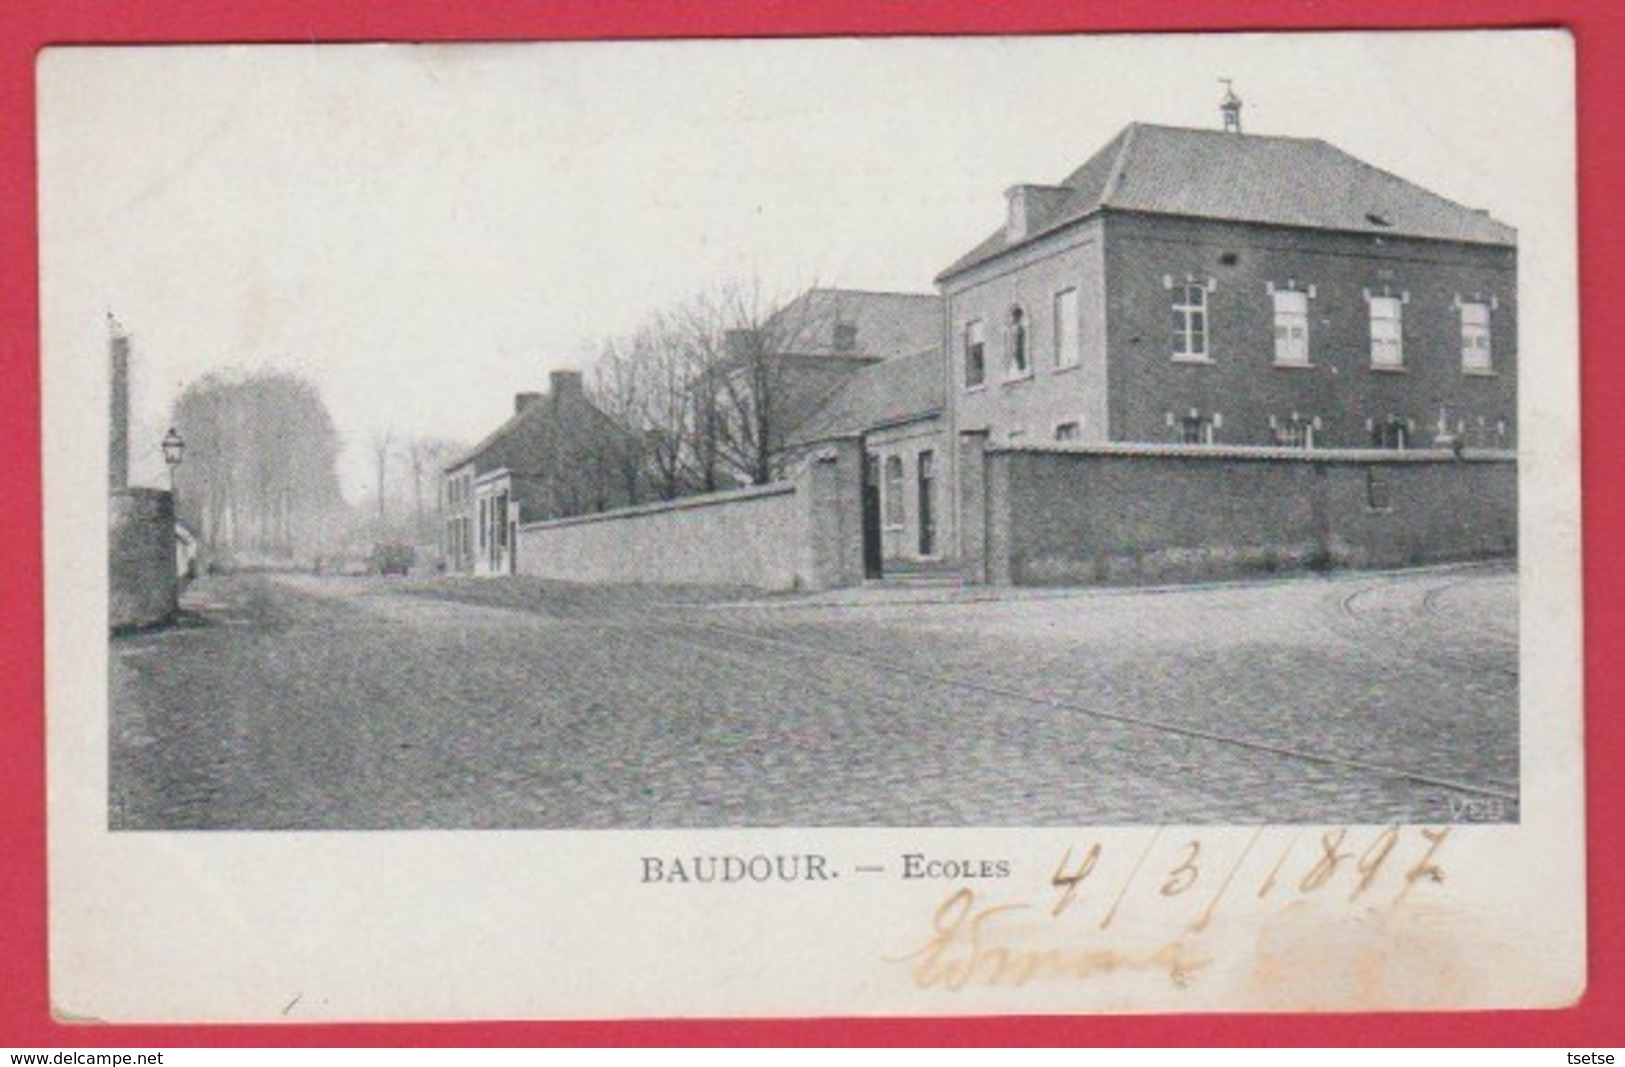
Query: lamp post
x=174, y=451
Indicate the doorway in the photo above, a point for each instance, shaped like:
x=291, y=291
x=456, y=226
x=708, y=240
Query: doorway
x=871, y=517
x=928, y=511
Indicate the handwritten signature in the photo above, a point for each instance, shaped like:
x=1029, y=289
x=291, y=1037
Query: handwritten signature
x=970, y=944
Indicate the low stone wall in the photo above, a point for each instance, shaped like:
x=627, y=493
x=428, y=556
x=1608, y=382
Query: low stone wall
x=1151, y=514
x=804, y=533
x=143, y=588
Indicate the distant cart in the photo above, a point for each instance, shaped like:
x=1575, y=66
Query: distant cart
x=392, y=558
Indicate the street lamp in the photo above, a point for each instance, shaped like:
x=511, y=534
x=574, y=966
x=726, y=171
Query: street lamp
x=174, y=451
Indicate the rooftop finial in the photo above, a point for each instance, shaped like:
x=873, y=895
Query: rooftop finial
x=1230, y=107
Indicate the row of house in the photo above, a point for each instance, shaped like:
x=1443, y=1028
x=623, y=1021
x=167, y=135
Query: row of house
x=1181, y=286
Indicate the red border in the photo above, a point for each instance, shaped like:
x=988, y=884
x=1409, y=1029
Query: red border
x=28, y=25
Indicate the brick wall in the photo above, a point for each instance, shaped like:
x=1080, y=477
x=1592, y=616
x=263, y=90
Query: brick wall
x=1153, y=514
x=143, y=588
x=805, y=533
x=1242, y=382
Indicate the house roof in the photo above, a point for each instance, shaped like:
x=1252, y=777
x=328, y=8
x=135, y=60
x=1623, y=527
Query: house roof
x=883, y=394
x=1214, y=174
x=497, y=436
x=505, y=447
x=885, y=325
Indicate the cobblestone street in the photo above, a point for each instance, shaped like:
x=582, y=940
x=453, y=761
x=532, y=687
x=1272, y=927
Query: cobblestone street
x=298, y=702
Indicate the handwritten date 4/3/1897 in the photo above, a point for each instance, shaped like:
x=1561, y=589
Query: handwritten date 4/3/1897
x=977, y=939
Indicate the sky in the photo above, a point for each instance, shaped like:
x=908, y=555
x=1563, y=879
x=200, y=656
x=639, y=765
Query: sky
x=425, y=230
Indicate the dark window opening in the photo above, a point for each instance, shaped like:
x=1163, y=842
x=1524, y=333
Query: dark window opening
x=1018, y=342
x=1378, y=493
x=1392, y=433
x=1195, y=430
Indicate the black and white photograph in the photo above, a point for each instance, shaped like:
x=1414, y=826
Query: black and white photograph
x=886, y=434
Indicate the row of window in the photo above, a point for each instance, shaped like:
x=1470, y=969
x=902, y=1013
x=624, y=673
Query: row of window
x=1191, y=332
x=459, y=542
x=465, y=537
x=1292, y=349
x=1304, y=431
x=459, y=488
x=1066, y=350
x=1297, y=430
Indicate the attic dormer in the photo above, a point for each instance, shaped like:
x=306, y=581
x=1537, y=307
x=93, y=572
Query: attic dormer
x=1030, y=207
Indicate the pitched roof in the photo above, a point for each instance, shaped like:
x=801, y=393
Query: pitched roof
x=497, y=449
x=1278, y=181
x=883, y=394
x=496, y=437
x=886, y=325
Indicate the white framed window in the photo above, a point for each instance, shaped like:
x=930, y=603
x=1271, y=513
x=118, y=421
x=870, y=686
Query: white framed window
x=1190, y=321
x=1476, y=354
x=1195, y=430
x=1020, y=361
x=1067, y=350
x=975, y=354
x=1291, y=328
x=1387, y=331
x=893, y=490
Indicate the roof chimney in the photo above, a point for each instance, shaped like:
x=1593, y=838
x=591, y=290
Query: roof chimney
x=565, y=383
x=1031, y=208
x=521, y=401
x=1230, y=107
x=1018, y=222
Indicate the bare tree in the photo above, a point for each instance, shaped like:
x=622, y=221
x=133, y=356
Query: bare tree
x=383, y=445
x=710, y=389
x=699, y=329
x=619, y=388
x=752, y=381
x=645, y=383
x=669, y=406
x=426, y=456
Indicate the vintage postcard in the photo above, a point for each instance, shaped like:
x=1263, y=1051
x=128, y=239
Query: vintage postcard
x=812, y=527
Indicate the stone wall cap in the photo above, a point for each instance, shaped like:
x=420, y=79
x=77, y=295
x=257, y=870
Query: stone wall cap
x=727, y=496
